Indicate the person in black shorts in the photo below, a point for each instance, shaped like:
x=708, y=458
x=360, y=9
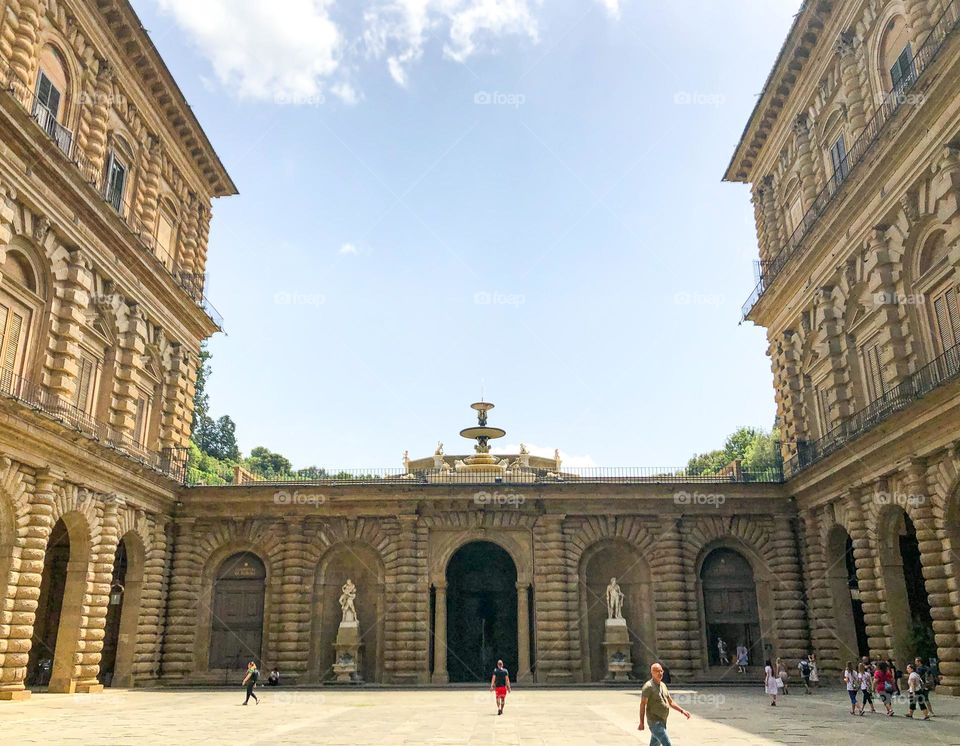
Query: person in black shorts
x=250, y=681
x=500, y=685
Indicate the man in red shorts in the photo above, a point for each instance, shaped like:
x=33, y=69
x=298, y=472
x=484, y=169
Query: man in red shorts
x=500, y=683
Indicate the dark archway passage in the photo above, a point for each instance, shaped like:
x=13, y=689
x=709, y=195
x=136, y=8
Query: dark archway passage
x=111, y=633
x=481, y=611
x=46, y=626
x=236, y=632
x=730, y=606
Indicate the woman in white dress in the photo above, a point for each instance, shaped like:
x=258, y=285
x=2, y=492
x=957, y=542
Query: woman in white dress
x=771, y=683
x=814, y=671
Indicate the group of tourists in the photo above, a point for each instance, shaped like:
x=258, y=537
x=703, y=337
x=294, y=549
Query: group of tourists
x=776, y=678
x=883, y=678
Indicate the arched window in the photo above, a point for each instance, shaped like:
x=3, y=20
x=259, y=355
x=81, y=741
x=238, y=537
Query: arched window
x=730, y=605
x=943, y=305
x=19, y=304
x=50, y=97
x=237, y=620
x=896, y=56
x=117, y=179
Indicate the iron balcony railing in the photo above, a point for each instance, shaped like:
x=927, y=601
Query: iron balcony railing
x=934, y=374
x=769, y=270
x=191, y=283
x=572, y=475
x=170, y=461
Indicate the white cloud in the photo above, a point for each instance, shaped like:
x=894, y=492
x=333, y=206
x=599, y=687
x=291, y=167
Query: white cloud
x=294, y=50
x=566, y=459
x=265, y=49
x=348, y=248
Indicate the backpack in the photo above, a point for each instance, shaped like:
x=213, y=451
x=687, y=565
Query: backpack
x=804, y=668
x=255, y=676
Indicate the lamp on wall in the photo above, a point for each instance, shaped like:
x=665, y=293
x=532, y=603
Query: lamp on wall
x=116, y=594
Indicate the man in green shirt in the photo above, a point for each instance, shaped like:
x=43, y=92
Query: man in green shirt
x=655, y=704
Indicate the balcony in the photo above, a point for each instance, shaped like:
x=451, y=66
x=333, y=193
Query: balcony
x=190, y=283
x=847, y=168
x=171, y=462
x=933, y=375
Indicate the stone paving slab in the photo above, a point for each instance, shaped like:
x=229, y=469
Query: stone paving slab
x=540, y=717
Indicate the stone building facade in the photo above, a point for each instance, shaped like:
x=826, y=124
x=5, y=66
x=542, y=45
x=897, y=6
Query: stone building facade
x=853, y=158
x=116, y=573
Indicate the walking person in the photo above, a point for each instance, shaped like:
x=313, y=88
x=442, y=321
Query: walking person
x=866, y=687
x=896, y=673
x=814, y=671
x=883, y=685
x=250, y=681
x=500, y=685
x=916, y=693
x=852, y=680
x=742, y=658
x=655, y=705
x=926, y=676
x=771, y=683
x=782, y=675
x=804, y=666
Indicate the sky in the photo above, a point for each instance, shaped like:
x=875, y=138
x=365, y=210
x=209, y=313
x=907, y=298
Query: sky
x=448, y=199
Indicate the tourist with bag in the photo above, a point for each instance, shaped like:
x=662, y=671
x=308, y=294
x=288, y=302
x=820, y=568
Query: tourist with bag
x=883, y=685
x=771, y=683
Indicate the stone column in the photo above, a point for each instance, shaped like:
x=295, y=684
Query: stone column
x=187, y=255
x=178, y=652
x=147, y=202
x=820, y=611
x=871, y=590
x=292, y=648
x=407, y=593
x=808, y=181
x=69, y=319
x=26, y=38
x=846, y=47
x=677, y=630
x=152, y=618
x=789, y=392
x=792, y=634
x=131, y=348
x=772, y=217
x=553, y=604
x=96, y=140
x=32, y=539
x=523, y=633
x=440, y=675
x=830, y=320
x=97, y=598
x=884, y=272
x=920, y=19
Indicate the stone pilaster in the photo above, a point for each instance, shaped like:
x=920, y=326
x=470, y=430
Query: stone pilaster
x=808, y=181
x=291, y=649
x=407, y=603
x=32, y=539
x=96, y=599
x=920, y=20
x=26, y=38
x=853, y=93
x=820, y=611
x=203, y=237
x=147, y=201
x=73, y=287
x=871, y=589
x=178, y=652
x=788, y=594
x=829, y=319
x=678, y=635
x=552, y=602
x=440, y=675
x=786, y=366
x=884, y=279
x=187, y=255
x=133, y=345
x=96, y=141
x=150, y=625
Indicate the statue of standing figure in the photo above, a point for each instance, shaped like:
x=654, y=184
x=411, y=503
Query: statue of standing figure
x=348, y=594
x=614, y=600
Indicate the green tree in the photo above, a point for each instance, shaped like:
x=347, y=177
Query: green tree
x=267, y=464
x=222, y=440
x=756, y=449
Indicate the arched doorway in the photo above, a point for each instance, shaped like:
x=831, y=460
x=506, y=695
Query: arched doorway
x=56, y=628
x=481, y=611
x=123, y=611
x=602, y=561
x=847, y=624
x=360, y=563
x=730, y=606
x=908, y=606
x=236, y=625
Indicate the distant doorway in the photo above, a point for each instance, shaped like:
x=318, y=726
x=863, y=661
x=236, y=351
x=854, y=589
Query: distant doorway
x=730, y=606
x=237, y=625
x=481, y=611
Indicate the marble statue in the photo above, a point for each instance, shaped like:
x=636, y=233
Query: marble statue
x=556, y=458
x=438, y=456
x=614, y=600
x=406, y=462
x=348, y=594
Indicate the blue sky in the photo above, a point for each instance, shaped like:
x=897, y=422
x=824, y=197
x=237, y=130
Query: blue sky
x=444, y=195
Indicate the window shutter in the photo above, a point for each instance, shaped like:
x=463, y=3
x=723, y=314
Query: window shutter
x=953, y=313
x=875, y=384
x=138, y=423
x=84, y=384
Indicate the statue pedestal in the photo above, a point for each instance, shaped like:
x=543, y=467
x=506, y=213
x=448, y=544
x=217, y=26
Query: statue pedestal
x=616, y=648
x=347, y=665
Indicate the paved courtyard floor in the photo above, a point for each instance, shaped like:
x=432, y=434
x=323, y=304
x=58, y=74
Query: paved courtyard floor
x=387, y=717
